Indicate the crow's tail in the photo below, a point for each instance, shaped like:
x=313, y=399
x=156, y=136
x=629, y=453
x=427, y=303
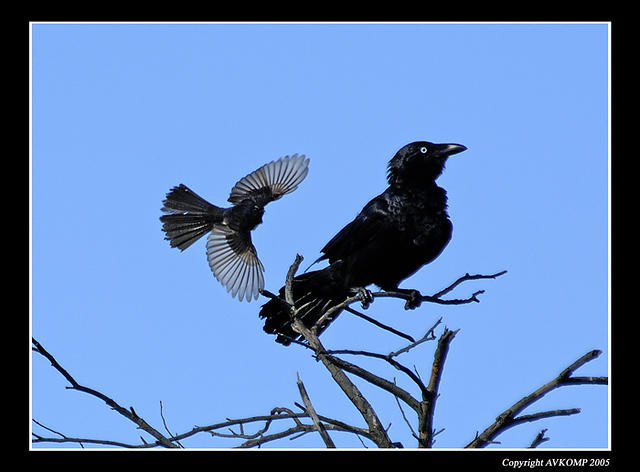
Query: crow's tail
x=313, y=293
x=188, y=217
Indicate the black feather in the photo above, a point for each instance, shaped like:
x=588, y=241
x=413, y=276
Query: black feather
x=396, y=233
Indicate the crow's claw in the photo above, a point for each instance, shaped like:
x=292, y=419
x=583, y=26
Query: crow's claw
x=414, y=301
x=365, y=297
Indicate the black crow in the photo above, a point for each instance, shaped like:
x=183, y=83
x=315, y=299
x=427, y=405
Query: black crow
x=396, y=233
x=232, y=257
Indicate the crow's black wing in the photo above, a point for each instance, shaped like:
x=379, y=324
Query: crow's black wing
x=371, y=223
x=271, y=181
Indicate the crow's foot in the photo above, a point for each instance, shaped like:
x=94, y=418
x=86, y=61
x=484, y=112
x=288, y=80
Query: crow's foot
x=414, y=301
x=365, y=297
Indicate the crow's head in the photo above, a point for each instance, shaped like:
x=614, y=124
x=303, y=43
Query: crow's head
x=420, y=162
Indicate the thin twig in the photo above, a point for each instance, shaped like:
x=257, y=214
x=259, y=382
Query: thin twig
x=333, y=311
x=428, y=336
x=312, y=414
x=466, y=277
x=378, y=324
x=539, y=439
x=544, y=414
x=382, y=383
x=165, y=424
x=406, y=420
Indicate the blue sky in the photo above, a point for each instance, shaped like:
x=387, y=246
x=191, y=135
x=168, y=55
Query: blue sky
x=123, y=112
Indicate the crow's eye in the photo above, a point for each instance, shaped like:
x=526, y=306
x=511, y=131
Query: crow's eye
x=423, y=150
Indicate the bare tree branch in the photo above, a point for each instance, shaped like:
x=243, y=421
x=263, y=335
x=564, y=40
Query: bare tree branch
x=404, y=417
x=375, y=380
x=435, y=298
x=81, y=441
x=428, y=336
x=382, y=383
x=288, y=290
x=427, y=410
x=378, y=324
x=164, y=422
x=312, y=414
x=508, y=418
x=251, y=439
x=130, y=414
x=376, y=430
x=464, y=278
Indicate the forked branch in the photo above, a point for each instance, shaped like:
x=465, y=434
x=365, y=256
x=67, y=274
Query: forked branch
x=510, y=418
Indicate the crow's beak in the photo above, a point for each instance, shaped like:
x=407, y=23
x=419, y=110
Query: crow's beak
x=451, y=149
